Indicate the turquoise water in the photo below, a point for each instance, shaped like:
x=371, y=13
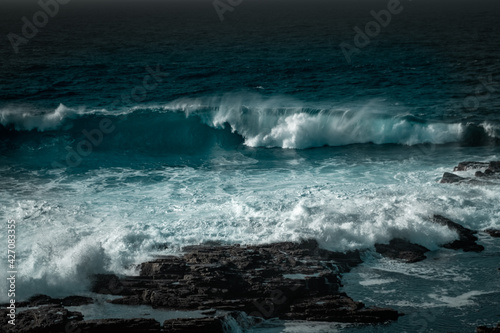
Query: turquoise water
x=134, y=130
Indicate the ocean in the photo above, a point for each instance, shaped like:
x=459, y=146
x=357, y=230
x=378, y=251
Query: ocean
x=131, y=129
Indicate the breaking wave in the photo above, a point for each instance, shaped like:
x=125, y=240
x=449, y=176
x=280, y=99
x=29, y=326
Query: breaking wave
x=191, y=125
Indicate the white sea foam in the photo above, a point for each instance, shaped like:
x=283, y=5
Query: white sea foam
x=27, y=119
x=492, y=130
x=287, y=123
x=262, y=122
x=109, y=220
x=459, y=301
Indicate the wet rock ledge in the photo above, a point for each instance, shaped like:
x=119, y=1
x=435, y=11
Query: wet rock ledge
x=403, y=250
x=290, y=281
x=294, y=281
x=491, y=171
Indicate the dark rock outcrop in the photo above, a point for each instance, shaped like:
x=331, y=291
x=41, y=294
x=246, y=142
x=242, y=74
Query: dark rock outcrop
x=210, y=324
x=45, y=319
x=293, y=281
x=264, y=281
x=137, y=325
x=338, y=308
x=449, y=178
x=56, y=319
x=493, y=232
x=402, y=250
x=492, y=171
x=467, y=239
x=189, y=325
x=38, y=300
x=106, y=284
x=494, y=166
x=464, y=166
x=485, y=329
x=480, y=174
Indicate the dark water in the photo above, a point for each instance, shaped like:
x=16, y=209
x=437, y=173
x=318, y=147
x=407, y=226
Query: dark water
x=125, y=126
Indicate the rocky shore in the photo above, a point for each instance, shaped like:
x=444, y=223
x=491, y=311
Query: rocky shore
x=290, y=281
x=295, y=281
x=233, y=284
x=485, y=173
x=239, y=285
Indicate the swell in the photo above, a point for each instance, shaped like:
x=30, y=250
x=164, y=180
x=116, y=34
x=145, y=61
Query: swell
x=199, y=125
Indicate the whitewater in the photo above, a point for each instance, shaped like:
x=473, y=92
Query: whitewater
x=258, y=132
x=257, y=121
x=233, y=186
x=226, y=170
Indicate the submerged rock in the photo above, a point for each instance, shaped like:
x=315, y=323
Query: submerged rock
x=402, y=250
x=467, y=239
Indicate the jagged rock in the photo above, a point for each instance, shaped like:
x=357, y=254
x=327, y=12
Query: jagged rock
x=212, y=325
x=466, y=241
x=479, y=174
x=464, y=166
x=264, y=281
x=494, y=166
x=38, y=300
x=136, y=325
x=57, y=319
x=339, y=308
x=449, y=178
x=76, y=300
x=492, y=171
x=107, y=284
x=403, y=250
x=485, y=329
x=45, y=319
x=67, y=301
x=493, y=232
x=164, y=267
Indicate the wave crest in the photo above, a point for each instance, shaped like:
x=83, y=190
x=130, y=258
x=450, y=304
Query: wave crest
x=252, y=120
x=27, y=119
